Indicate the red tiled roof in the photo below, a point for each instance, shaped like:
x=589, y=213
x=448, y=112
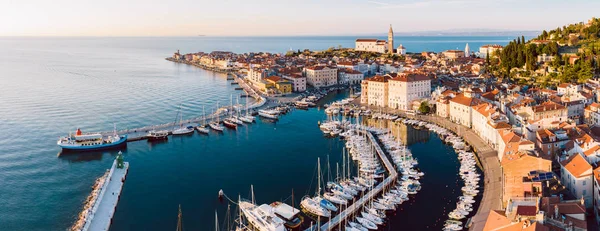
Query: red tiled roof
x=526, y=210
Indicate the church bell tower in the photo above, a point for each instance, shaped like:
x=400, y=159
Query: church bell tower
x=391, y=40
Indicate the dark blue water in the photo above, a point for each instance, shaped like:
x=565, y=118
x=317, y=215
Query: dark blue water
x=50, y=86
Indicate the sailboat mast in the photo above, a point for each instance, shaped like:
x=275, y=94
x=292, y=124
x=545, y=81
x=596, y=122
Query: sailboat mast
x=318, y=176
x=216, y=222
x=252, y=191
x=179, y=222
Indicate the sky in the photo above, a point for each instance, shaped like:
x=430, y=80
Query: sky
x=282, y=17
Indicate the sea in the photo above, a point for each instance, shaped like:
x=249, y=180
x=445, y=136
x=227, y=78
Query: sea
x=50, y=86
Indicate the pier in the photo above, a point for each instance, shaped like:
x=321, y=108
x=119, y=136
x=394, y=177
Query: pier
x=355, y=207
x=100, y=215
x=136, y=134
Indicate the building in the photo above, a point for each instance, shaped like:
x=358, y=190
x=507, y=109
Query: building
x=546, y=110
x=256, y=75
x=371, y=45
x=406, y=88
x=597, y=194
x=460, y=108
x=467, y=51
x=279, y=85
x=489, y=49
x=568, y=89
x=298, y=81
x=374, y=91
x=516, y=181
x=453, y=54
x=349, y=76
x=376, y=45
x=577, y=176
x=321, y=76
x=591, y=114
x=401, y=50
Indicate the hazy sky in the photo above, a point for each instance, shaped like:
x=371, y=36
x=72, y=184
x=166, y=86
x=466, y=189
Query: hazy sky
x=281, y=17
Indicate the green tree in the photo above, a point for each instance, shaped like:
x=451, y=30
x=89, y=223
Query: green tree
x=424, y=107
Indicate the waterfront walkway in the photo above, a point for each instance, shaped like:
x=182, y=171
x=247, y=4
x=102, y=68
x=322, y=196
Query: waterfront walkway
x=107, y=200
x=356, y=206
x=492, y=193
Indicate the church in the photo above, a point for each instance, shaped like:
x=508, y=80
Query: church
x=376, y=45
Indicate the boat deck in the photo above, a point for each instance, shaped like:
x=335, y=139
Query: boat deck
x=108, y=199
x=355, y=207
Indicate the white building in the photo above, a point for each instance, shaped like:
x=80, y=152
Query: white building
x=577, y=177
x=321, y=76
x=256, y=75
x=349, y=76
x=298, y=81
x=406, y=88
x=372, y=45
x=460, y=108
x=401, y=50
x=568, y=89
x=597, y=194
x=489, y=49
x=467, y=51
x=374, y=91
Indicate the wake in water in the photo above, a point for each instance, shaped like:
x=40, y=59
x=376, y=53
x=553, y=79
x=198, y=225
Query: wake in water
x=89, y=203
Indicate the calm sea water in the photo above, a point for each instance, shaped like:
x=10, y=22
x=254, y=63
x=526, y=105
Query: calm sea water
x=50, y=86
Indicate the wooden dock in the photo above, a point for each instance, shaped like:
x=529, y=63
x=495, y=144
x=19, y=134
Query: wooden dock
x=355, y=207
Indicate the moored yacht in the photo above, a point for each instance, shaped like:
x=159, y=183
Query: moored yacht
x=261, y=217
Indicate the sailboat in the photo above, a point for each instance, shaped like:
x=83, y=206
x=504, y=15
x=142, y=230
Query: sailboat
x=244, y=118
x=248, y=117
x=182, y=130
x=313, y=205
x=230, y=122
x=202, y=127
x=216, y=125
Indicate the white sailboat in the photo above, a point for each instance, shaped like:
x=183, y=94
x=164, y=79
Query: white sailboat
x=248, y=117
x=313, y=205
x=202, y=128
x=182, y=130
x=216, y=125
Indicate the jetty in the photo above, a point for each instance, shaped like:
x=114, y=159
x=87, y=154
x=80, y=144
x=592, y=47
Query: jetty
x=136, y=134
x=355, y=207
x=99, y=216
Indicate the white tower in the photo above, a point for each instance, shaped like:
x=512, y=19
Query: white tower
x=467, y=51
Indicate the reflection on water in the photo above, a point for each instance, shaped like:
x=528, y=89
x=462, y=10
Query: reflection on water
x=79, y=156
x=408, y=135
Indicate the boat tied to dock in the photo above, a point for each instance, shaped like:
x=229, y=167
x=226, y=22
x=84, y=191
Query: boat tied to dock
x=91, y=141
